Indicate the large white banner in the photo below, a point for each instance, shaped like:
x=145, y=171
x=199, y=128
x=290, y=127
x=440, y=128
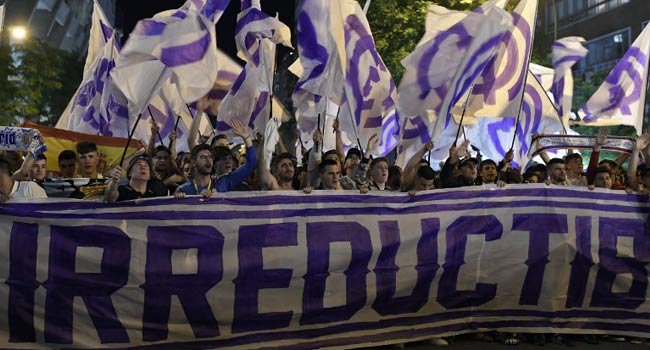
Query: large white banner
x=286, y=270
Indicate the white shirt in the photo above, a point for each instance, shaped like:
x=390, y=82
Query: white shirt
x=27, y=189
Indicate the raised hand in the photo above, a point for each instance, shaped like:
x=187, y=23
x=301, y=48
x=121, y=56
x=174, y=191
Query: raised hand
x=373, y=141
x=317, y=136
x=239, y=129
x=117, y=173
x=642, y=141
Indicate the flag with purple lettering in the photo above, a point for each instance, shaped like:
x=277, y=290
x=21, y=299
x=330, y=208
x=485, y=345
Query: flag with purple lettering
x=494, y=135
x=441, y=70
x=370, y=92
x=256, y=36
x=620, y=100
x=321, y=45
x=497, y=93
x=98, y=106
x=211, y=9
x=175, y=45
x=566, y=52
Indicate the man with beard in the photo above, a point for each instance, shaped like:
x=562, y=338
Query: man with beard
x=556, y=169
x=140, y=182
x=281, y=175
x=202, y=158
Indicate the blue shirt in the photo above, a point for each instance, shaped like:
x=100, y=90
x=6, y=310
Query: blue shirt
x=226, y=182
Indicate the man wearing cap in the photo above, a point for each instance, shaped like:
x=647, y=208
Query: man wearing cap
x=140, y=184
x=468, y=168
x=202, y=158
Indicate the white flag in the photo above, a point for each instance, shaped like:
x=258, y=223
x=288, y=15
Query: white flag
x=620, y=100
x=566, y=52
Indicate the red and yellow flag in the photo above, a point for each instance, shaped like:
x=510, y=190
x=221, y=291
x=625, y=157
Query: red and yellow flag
x=109, y=149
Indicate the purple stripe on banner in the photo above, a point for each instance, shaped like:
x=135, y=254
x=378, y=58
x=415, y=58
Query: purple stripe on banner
x=185, y=54
x=434, y=195
x=412, y=333
x=288, y=213
x=149, y=27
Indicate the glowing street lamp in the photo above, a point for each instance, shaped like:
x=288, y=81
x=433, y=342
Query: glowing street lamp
x=18, y=33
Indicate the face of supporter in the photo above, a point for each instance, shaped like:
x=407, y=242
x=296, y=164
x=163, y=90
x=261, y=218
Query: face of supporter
x=285, y=170
x=222, y=142
x=575, y=166
x=354, y=159
x=203, y=162
x=603, y=180
x=422, y=184
x=557, y=172
x=379, y=172
x=488, y=173
x=68, y=168
x=533, y=179
x=468, y=171
x=161, y=161
x=330, y=177
x=38, y=170
x=187, y=171
x=88, y=162
x=225, y=165
x=333, y=156
x=140, y=171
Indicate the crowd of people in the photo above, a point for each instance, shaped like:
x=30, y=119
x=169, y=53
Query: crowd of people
x=213, y=166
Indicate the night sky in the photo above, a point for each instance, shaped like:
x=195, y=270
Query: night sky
x=129, y=12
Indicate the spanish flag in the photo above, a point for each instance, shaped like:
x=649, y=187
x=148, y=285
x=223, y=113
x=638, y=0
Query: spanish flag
x=109, y=149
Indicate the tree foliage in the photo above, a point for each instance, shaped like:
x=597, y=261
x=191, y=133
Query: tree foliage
x=38, y=82
x=398, y=25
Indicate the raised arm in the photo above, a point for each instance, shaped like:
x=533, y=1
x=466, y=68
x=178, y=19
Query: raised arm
x=151, y=146
x=266, y=179
x=339, y=139
x=410, y=169
x=641, y=143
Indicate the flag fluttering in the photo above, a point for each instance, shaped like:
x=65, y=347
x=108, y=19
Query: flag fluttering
x=370, y=93
x=494, y=135
x=620, y=100
x=441, y=70
x=248, y=100
x=98, y=107
x=176, y=45
x=566, y=52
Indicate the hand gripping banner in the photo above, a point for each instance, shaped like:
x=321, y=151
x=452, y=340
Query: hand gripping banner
x=322, y=270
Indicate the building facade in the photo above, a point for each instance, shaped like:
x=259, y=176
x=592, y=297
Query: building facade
x=62, y=24
x=609, y=26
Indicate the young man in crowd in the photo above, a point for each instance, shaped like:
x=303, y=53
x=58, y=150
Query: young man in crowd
x=330, y=176
x=281, y=175
x=575, y=170
x=139, y=185
x=468, y=168
x=487, y=170
x=602, y=178
x=12, y=189
x=32, y=169
x=556, y=171
x=68, y=165
x=202, y=158
x=378, y=175
x=89, y=159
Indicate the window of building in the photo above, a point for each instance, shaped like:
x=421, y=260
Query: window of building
x=605, y=51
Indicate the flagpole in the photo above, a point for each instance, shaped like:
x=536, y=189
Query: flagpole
x=128, y=141
x=154, y=120
x=178, y=119
x=523, y=91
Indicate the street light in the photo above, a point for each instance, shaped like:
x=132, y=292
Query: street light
x=18, y=33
